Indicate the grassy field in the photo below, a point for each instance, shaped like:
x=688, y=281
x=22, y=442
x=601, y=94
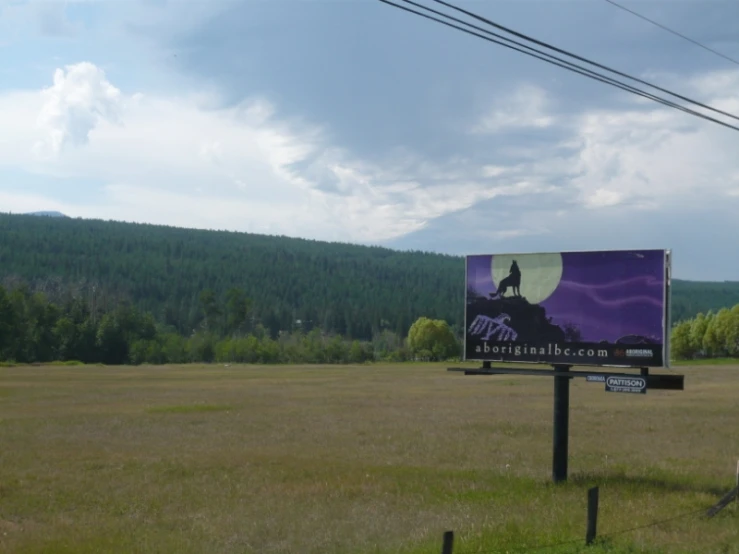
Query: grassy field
x=213, y=459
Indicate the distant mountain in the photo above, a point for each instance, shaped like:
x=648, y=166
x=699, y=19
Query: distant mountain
x=48, y=214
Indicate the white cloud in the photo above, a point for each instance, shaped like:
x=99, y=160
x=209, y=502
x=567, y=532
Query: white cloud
x=527, y=107
x=79, y=100
x=494, y=170
x=601, y=198
x=172, y=160
x=179, y=160
x=641, y=157
x=650, y=158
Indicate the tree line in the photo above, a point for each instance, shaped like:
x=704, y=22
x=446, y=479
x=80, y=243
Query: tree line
x=35, y=330
x=710, y=335
x=295, y=285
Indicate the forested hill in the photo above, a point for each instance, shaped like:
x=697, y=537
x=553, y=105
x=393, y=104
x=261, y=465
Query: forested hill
x=347, y=289
x=351, y=290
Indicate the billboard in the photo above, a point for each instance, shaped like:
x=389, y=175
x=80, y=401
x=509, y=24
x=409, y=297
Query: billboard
x=603, y=308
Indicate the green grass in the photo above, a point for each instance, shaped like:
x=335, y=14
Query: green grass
x=370, y=459
x=192, y=409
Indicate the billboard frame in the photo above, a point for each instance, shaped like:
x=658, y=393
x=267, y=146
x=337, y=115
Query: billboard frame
x=666, y=312
x=668, y=309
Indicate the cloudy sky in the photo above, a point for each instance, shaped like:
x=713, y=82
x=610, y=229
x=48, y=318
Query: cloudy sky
x=350, y=120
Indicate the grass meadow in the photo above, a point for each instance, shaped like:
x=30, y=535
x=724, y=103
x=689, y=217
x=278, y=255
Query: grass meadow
x=355, y=459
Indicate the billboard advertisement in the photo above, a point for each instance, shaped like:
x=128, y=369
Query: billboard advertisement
x=604, y=308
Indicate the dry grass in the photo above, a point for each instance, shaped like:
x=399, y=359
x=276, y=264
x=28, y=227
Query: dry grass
x=353, y=459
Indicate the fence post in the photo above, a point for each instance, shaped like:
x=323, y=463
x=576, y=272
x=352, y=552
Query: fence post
x=592, y=516
x=448, y=545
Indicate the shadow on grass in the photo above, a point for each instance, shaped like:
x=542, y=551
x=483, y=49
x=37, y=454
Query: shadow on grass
x=642, y=483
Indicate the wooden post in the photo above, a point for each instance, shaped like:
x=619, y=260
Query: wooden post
x=592, y=516
x=448, y=545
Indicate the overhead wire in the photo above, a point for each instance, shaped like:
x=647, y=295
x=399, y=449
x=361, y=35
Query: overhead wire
x=582, y=59
x=666, y=28
x=559, y=61
x=549, y=58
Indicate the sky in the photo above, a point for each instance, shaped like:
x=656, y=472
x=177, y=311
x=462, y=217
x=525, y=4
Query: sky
x=352, y=121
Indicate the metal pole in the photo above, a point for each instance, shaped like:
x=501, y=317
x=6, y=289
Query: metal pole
x=561, y=424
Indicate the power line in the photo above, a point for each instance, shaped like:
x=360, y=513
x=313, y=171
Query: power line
x=582, y=59
x=732, y=60
x=559, y=62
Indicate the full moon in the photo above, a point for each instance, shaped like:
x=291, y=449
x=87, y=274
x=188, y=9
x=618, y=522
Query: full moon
x=540, y=274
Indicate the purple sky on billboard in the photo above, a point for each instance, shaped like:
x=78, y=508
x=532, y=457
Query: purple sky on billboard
x=606, y=295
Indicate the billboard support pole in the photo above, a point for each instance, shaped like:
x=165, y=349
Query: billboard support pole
x=561, y=431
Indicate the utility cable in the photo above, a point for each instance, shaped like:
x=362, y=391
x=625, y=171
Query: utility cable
x=640, y=16
x=561, y=63
x=538, y=54
x=582, y=59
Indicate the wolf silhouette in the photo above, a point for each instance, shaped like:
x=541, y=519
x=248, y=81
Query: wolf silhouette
x=513, y=281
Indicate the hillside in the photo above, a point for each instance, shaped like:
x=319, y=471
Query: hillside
x=348, y=289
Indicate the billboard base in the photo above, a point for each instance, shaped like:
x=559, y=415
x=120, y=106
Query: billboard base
x=562, y=374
